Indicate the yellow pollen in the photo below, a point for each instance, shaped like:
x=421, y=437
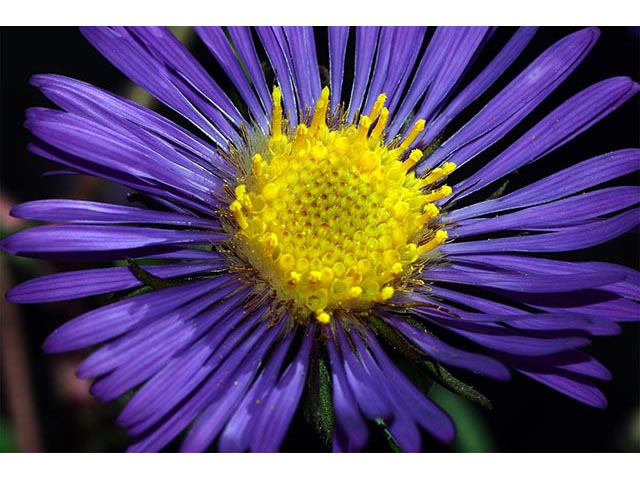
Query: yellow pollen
x=333, y=218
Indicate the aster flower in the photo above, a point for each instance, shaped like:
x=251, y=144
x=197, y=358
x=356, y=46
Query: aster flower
x=309, y=242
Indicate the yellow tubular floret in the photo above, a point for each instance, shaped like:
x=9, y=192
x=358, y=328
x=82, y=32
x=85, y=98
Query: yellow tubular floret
x=333, y=218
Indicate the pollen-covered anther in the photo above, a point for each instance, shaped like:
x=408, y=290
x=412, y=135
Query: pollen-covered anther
x=333, y=218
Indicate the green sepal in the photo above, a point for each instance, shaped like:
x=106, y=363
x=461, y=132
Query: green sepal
x=451, y=383
x=410, y=351
x=147, y=278
x=393, y=445
x=424, y=365
x=318, y=404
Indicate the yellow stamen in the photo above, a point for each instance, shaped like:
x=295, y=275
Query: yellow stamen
x=276, y=116
x=418, y=127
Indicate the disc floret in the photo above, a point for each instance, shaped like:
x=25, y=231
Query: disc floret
x=335, y=217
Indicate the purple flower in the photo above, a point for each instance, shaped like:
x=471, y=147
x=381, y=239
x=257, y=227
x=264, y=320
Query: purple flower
x=303, y=241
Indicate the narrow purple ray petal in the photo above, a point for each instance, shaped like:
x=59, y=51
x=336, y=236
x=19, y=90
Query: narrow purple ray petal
x=189, y=321
x=516, y=100
x=246, y=50
x=570, y=238
x=366, y=44
x=338, y=37
x=421, y=409
x=504, y=340
x=522, y=283
x=147, y=68
x=561, y=213
x=396, y=46
x=450, y=71
x=403, y=427
x=238, y=431
x=112, y=320
x=124, y=115
x=213, y=418
x=138, y=363
x=281, y=404
x=218, y=44
x=183, y=374
x=170, y=52
x=304, y=61
x=98, y=148
x=479, y=84
x=96, y=238
x=173, y=198
x=471, y=301
x=350, y=431
x=629, y=287
x=80, y=211
x=84, y=283
x=448, y=355
x=372, y=404
x=582, y=391
x=243, y=359
x=602, y=308
x=409, y=41
x=566, y=122
x=574, y=179
x=443, y=40
x=280, y=62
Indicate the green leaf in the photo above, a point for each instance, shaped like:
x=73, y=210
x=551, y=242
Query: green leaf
x=8, y=442
x=473, y=432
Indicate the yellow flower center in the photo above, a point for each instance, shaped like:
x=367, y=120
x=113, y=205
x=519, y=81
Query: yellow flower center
x=334, y=217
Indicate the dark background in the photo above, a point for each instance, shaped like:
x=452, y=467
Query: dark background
x=527, y=416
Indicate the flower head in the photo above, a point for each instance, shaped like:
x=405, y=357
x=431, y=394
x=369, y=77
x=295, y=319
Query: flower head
x=302, y=243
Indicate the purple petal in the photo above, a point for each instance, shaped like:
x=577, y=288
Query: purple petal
x=112, y=320
x=239, y=429
x=244, y=360
x=243, y=42
x=479, y=84
x=396, y=46
x=561, y=213
x=69, y=239
x=516, y=100
x=582, y=391
x=88, y=101
x=280, y=406
x=211, y=421
x=80, y=211
x=448, y=355
x=338, y=37
x=366, y=43
x=574, y=179
x=566, y=122
x=442, y=43
x=570, y=238
x=426, y=413
x=304, y=61
x=84, y=283
x=456, y=61
x=350, y=431
x=182, y=326
x=97, y=149
x=181, y=376
x=519, y=282
x=150, y=58
x=218, y=44
x=279, y=60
